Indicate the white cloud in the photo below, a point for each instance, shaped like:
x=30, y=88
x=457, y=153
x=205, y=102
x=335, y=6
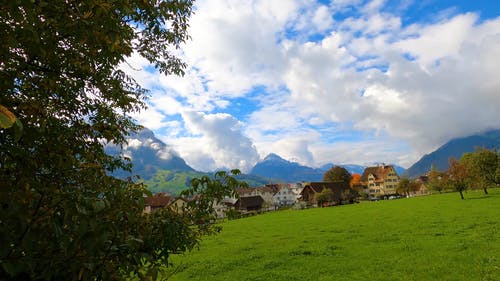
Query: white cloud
x=357, y=77
x=220, y=137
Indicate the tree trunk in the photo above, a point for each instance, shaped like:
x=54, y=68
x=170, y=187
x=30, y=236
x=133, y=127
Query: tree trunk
x=485, y=190
x=461, y=195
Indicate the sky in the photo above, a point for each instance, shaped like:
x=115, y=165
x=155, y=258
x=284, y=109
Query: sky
x=316, y=82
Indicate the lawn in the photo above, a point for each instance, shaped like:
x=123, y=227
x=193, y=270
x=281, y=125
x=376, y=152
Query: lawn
x=438, y=237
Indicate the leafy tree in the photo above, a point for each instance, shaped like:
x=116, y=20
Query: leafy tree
x=62, y=216
x=356, y=185
x=406, y=186
x=436, y=180
x=325, y=196
x=337, y=173
x=474, y=178
x=355, y=180
x=483, y=168
x=457, y=176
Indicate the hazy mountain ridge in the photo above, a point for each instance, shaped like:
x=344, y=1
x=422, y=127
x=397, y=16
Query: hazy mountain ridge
x=159, y=166
x=453, y=149
x=273, y=166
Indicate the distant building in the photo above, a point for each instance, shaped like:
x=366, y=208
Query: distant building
x=380, y=180
x=266, y=192
x=157, y=201
x=341, y=193
x=250, y=203
x=285, y=196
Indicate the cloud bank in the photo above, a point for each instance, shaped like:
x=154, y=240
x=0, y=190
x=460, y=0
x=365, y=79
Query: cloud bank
x=344, y=82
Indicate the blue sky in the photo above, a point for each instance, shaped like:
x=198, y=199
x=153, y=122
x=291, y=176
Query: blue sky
x=345, y=81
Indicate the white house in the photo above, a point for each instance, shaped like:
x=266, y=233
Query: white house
x=285, y=196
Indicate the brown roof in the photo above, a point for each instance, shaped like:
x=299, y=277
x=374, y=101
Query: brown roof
x=249, y=202
x=244, y=190
x=337, y=187
x=319, y=186
x=159, y=200
x=379, y=172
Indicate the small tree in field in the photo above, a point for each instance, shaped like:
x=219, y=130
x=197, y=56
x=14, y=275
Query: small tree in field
x=457, y=176
x=436, y=180
x=483, y=168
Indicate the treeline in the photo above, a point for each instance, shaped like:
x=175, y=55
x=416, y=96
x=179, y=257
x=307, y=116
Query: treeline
x=474, y=170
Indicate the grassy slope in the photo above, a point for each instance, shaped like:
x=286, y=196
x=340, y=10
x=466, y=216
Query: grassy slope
x=437, y=237
x=174, y=182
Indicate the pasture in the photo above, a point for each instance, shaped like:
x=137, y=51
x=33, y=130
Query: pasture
x=438, y=237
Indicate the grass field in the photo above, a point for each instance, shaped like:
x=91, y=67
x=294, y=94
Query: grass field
x=438, y=237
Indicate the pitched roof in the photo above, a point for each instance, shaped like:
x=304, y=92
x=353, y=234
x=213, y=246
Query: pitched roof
x=159, y=200
x=379, y=172
x=250, y=202
x=319, y=186
x=338, y=188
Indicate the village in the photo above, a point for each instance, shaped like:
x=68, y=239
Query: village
x=376, y=183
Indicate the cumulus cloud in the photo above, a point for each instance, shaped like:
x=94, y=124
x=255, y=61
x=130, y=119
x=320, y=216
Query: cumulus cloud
x=408, y=88
x=218, y=136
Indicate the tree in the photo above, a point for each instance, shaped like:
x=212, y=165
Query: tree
x=436, y=180
x=325, y=196
x=407, y=186
x=355, y=180
x=337, y=173
x=63, y=217
x=474, y=177
x=483, y=168
x=457, y=176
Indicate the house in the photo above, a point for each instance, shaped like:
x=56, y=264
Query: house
x=284, y=196
x=249, y=203
x=157, y=201
x=380, y=180
x=222, y=207
x=422, y=187
x=178, y=204
x=340, y=192
x=266, y=192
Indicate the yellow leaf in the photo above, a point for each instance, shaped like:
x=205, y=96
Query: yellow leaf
x=7, y=118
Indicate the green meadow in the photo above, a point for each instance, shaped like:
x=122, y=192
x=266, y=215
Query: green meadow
x=438, y=237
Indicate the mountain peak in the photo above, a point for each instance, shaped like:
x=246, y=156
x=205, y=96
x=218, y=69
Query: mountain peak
x=273, y=157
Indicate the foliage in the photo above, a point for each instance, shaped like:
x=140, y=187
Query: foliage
x=355, y=180
x=337, y=173
x=458, y=176
x=432, y=237
x=437, y=180
x=407, y=186
x=62, y=216
x=206, y=192
x=483, y=168
x=325, y=196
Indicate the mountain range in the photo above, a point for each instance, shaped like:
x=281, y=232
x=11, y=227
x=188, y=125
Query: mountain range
x=163, y=170
x=453, y=149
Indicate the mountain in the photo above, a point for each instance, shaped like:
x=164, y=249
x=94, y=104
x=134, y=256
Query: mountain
x=279, y=169
x=453, y=149
x=159, y=167
x=351, y=168
x=275, y=167
x=148, y=155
